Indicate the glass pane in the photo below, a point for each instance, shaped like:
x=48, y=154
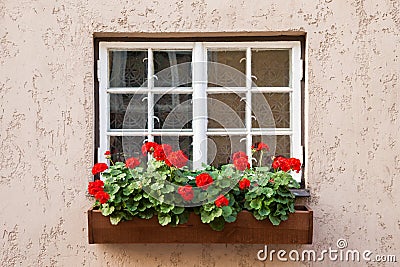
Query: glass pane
x=127, y=68
x=279, y=145
x=174, y=111
x=183, y=143
x=128, y=111
x=173, y=68
x=283, y=145
x=122, y=148
x=221, y=148
x=271, y=67
x=226, y=111
x=227, y=68
x=271, y=110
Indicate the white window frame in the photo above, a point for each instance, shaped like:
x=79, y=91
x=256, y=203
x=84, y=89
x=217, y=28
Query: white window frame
x=199, y=92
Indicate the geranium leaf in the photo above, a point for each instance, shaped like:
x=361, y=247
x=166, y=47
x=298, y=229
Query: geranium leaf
x=164, y=219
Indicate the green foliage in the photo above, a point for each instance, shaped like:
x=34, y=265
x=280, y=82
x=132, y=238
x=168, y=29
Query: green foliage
x=142, y=193
x=270, y=196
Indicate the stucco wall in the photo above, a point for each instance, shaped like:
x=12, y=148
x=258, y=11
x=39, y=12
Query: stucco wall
x=46, y=123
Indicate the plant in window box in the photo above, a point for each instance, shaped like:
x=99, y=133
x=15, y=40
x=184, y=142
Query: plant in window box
x=166, y=188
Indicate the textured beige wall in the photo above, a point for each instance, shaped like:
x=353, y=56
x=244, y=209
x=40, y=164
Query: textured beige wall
x=46, y=122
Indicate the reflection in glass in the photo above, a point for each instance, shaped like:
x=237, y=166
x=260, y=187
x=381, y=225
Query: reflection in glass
x=168, y=73
x=174, y=111
x=127, y=68
x=271, y=67
x=264, y=104
x=122, y=148
x=230, y=70
x=128, y=111
x=226, y=110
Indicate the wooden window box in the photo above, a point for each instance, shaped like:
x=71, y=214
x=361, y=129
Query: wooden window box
x=298, y=229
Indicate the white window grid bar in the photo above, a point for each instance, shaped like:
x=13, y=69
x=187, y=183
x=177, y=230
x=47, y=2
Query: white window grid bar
x=248, y=118
x=210, y=131
x=154, y=90
x=189, y=90
x=252, y=89
x=199, y=122
x=150, y=96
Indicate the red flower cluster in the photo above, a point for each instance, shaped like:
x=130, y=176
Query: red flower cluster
x=240, y=160
x=148, y=147
x=102, y=196
x=96, y=189
x=132, y=162
x=177, y=159
x=244, y=183
x=221, y=201
x=286, y=164
x=186, y=192
x=204, y=180
x=262, y=146
x=164, y=153
x=98, y=168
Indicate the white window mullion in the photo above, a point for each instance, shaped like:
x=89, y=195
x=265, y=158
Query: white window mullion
x=248, y=104
x=199, y=123
x=150, y=95
x=295, y=105
x=104, y=103
x=295, y=101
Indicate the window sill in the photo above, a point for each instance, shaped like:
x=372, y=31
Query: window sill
x=300, y=192
x=298, y=229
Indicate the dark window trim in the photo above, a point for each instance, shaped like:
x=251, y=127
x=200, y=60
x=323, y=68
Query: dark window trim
x=196, y=37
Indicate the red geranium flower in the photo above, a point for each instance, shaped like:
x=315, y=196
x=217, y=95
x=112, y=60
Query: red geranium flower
x=177, y=159
x=221, y=201
x=239, y=154
x=159, y=153
x=281, y=163
x=132, y=162
x=294, y=164
x=107, y=153
x=167, y=148
x=244, y=183
x=262, y=146
x=148, y=147
x=102, y=196
x=98, y=168
x=204, y=180
x=186, y=192
x=95, y=187
x=241, y=164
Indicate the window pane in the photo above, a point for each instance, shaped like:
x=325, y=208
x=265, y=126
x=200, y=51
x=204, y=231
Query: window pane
x=122, y=148
x=128, y=111
x=173, y=68
x=221, y=148
x=271, y=67
x=279, y=145
x=183, y=143
x=226, y=111
x=264, y=104
x=228, y=69
x=127, y=68
x=174, y=111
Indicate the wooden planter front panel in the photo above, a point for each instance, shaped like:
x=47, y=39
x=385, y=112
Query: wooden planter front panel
x=246, y=229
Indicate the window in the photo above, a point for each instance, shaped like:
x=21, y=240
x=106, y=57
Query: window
x=207, y=98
